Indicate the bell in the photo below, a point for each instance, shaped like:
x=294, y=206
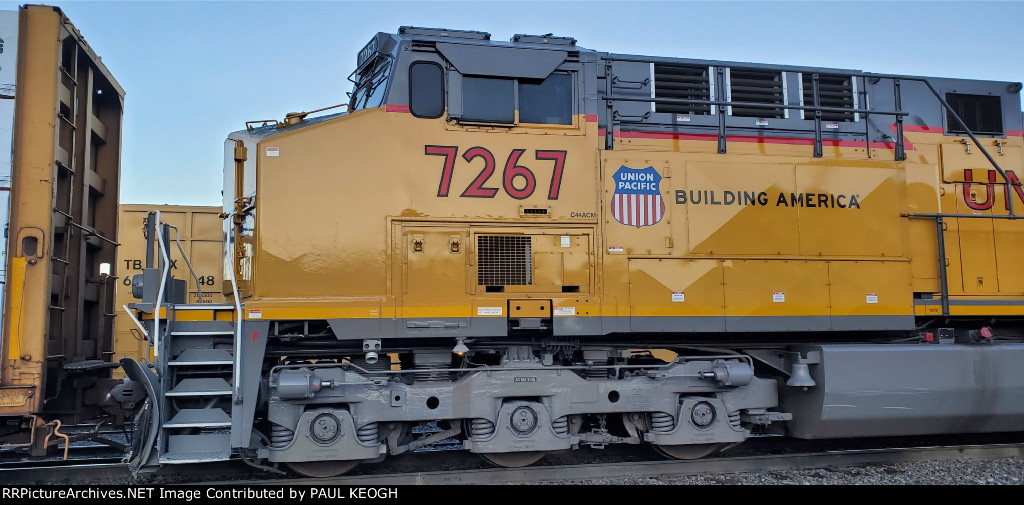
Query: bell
x=800, y=376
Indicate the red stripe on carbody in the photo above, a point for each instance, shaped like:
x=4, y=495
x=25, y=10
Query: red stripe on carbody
x=907, y=144
x=920, y=129
x=1015, y=133
x=591, y=118
x=396, y=108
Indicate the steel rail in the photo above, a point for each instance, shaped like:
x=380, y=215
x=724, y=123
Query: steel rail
x=103, y=469
x=662, y=468
x=66, y=465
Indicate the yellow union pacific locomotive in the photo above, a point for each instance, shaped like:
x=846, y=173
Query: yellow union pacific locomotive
x=519, y=247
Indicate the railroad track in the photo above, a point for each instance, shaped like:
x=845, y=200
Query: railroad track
x=620, y=470
x=235, y=473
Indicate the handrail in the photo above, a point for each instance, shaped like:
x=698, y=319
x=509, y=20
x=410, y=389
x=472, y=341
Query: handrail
x=238, y=335
x=177, y=238
x=163, y=282
x=722, y=104
x=236, y=387
x=752, y=105
x=970, y=134
x=899, y=114
x=136, y=321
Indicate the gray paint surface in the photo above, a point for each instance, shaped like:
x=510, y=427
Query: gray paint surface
x=888, y=390
x=357, y=328
x=501, y=61
x=254, y=345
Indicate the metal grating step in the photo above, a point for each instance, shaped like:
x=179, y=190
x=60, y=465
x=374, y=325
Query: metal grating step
x=200, y=448
x=202, y=357
x=199, y=418
x=210, y=386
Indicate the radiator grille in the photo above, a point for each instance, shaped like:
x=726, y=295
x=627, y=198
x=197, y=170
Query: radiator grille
x=682, y=82
x=756, y=86
x=981, y=113
x=504, y=260
x=833, y=91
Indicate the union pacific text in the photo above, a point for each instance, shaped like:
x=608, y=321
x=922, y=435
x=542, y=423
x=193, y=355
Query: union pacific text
x=763, y=199
x=976, y=203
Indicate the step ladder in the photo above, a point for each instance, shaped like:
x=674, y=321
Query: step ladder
x=197, y=373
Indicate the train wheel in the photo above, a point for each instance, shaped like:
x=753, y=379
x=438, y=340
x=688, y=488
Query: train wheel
x=686, y=451
x=513, y=459
x=322, y=469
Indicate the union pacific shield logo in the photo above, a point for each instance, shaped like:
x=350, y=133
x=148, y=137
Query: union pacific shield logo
x=637, y=200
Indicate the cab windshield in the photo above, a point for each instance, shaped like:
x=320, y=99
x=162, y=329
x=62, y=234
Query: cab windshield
x=371, y=84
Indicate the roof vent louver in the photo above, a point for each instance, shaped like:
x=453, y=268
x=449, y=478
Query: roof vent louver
x=833, y=91
x=756, y=86
x=682, y=82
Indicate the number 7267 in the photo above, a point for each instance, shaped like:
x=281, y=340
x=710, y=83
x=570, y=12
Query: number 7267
x=518, y=181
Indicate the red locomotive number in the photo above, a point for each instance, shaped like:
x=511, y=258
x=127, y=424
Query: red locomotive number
x=476, y=188
x=518, y=181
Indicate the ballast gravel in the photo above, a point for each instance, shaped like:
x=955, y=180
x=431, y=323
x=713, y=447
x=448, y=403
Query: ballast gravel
x=943, y=472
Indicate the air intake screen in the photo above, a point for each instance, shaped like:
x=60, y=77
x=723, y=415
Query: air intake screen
x=833, y=91
x=682, y=82
x=504, y=260
x=756, y=86
x=981, y=113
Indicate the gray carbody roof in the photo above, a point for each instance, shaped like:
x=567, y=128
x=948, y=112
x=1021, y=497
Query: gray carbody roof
x=655, y=59
x=399, y=38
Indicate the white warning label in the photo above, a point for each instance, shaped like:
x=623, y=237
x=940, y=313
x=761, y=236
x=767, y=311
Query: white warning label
x=778, y=297
x=565, y=311
x=678, y=297
x=872, y=298
x=488, y=311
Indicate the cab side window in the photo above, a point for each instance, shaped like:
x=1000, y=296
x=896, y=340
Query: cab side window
x=539, y=101
x=489, y=100
x=547, y=101
x=426, y=90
